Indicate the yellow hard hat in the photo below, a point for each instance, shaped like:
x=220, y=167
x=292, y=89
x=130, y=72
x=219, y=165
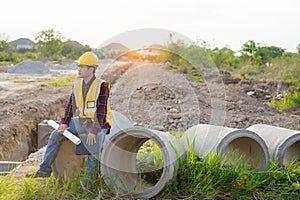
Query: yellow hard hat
x=89, y=59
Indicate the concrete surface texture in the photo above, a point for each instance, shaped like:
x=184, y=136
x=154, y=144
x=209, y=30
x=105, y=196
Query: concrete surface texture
x=205, y=139
x=284, y=144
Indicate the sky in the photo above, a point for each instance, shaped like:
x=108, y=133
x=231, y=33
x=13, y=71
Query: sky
x=96, y=22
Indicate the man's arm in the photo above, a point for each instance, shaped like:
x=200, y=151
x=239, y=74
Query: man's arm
x=101, y=110
x=68, y=111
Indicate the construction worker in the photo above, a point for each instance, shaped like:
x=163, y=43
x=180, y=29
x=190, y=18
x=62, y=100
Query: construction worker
x=89, y=100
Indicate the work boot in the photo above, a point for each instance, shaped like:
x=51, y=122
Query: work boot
x=37, y=174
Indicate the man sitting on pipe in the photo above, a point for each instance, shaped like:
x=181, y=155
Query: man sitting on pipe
x=89, y=98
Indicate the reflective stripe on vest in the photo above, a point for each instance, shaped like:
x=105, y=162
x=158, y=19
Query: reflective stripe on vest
x=88, y=108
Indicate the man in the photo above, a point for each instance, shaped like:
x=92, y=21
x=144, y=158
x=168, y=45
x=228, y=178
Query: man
x=89, y=100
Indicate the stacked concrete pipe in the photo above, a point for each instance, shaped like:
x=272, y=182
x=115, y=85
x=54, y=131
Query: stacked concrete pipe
x=284, y=144
x=119, y=163
x=204, y=138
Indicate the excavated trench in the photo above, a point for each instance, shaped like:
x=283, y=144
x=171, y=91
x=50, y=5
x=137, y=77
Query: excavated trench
x=19, y=122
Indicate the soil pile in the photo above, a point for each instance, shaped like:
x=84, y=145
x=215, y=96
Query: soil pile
x=31, y=67
x=158, y=98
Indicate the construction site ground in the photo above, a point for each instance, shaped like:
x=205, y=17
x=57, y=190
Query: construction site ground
x=150, y=95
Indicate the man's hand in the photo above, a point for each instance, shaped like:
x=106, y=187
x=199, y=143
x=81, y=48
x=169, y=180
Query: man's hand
x=91, y=139
x=62, y=128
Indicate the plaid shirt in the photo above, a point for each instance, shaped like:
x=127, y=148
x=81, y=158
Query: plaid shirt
x=101, y=109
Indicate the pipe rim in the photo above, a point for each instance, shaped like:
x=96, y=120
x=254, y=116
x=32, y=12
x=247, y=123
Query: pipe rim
x=247, y=134
x=167, y=152
x=283, y=147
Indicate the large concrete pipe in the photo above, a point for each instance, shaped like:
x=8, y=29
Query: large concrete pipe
x=284, y=144
x=119, y=161
x=67, y=163
x=204, y=138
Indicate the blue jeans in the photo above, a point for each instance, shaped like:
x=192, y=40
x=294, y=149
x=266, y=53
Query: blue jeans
x=55, y=141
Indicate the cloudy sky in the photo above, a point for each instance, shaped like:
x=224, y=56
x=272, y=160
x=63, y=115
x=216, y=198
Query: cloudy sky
x=219, y=22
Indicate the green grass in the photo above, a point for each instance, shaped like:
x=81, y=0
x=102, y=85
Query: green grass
x=199, y=178
x=60, y=82
x=208, y=177
x=289, y=101
x=215, y=178
x=63, y=81
x=150, y=162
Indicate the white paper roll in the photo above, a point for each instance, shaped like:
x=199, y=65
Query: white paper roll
x=66, y=133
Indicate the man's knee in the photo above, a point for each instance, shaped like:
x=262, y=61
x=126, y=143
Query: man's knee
x=55, y=135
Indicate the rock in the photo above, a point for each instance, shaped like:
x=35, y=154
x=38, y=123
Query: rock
x=173, y=110
x=160, y=128
x=176, y=116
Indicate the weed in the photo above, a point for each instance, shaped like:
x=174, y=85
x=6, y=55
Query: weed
x=60, y=82
x=289, y=101
x=209, y=177
x=63, y=81
x=150, y=162
x=8, y=187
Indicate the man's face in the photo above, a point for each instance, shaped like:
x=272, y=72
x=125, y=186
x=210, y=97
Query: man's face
x=84, y=71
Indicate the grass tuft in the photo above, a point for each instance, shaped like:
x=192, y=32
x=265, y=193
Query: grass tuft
x=289, y=101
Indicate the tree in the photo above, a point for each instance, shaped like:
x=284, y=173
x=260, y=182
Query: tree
x=249, y=48
x=49, y=43
x=3, y=41
x=224, y=58
x=72, y=49
x=265, y=54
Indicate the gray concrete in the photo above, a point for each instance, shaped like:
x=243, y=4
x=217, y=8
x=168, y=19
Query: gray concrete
x=67, y=163
x=7, y=166
x=118, y=161
x=204, y=139
x=284, y=144
x=44, y=131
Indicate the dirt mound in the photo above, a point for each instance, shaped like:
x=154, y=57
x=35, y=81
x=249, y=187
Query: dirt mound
x=158, y=98
x=30, y=67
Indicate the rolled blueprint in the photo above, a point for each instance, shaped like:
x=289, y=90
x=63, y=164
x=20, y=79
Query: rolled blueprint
x=66, y=133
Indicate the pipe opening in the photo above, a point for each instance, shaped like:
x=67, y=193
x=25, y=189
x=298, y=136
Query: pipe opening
x=150, y=163
x=292, y=153
x=247, y=148
x=136, y=161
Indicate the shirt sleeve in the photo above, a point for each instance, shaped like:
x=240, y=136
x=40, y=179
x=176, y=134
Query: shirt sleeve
x=101, y=110
x=68, y=111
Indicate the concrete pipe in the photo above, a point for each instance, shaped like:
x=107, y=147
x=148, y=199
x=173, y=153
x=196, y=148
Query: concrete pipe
x=204, y=138
x=119, y=161
x=67, y=163
x=7, y=167
x=284, y=144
